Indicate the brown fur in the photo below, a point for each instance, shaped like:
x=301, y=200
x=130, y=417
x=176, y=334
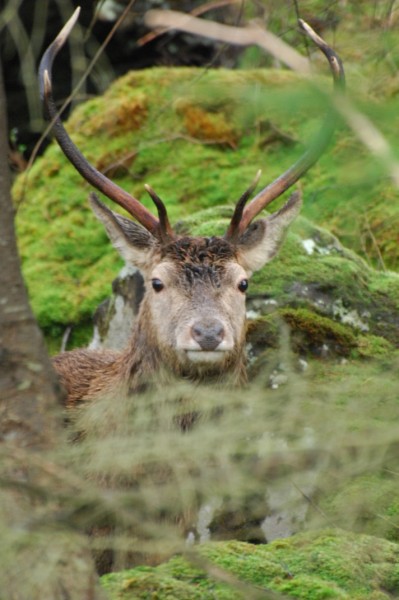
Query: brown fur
x=201, y=289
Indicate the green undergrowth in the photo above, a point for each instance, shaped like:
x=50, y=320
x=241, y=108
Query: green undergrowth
x=170, y=127
x=368, y=503
x=321, y=435
x=312, y=566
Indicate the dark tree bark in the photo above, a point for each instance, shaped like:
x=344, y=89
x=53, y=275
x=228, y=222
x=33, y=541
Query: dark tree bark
x=39, y=556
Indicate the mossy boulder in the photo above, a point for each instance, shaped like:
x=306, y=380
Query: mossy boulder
x=312, y=566
x=170, y=128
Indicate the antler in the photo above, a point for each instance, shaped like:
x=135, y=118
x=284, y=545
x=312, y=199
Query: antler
x=242, y=217
x=158, y=227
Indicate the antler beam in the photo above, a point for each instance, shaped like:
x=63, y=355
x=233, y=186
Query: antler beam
x=90, y=173
x=295, y=172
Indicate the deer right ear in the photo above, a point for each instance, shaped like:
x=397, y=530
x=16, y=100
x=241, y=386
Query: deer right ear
x=262, y=239
x=134, y=243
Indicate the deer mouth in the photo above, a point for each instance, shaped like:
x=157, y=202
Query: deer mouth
x=205, y=356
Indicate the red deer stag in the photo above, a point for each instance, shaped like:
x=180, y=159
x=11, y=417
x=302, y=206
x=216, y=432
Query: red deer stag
x=192, y=318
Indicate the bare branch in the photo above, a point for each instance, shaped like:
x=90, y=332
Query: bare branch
x=196, y=12
x=239, y=36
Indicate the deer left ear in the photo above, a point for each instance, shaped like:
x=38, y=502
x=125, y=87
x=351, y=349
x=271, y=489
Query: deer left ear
x=134, y=243
x=262, y=239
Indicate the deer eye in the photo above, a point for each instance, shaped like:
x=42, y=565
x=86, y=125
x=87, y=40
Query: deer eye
x=157, y=285
x=243, y=285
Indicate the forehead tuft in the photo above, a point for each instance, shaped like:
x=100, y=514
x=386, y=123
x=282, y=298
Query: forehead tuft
x=200, y=251
x=200, y=257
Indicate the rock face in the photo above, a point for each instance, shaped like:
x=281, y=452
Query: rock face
x=114, y=317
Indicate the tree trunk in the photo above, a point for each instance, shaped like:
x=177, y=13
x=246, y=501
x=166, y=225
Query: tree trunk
x=40, y=557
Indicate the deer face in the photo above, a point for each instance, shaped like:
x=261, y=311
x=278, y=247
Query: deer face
x=195, y=287
x=196, y=295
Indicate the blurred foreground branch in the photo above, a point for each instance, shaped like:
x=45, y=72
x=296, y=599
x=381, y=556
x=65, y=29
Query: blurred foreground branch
x=361, y=126
x=240, y=36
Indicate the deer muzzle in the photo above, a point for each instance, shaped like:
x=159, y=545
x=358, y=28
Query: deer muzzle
x=208, y=334
x=205, y=339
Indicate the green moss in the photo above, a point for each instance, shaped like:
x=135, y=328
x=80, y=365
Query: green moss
x=177, y=579
x=310, y=333
x=312, y=566
x=372, y=346
x=314, y=330
x=147, y=585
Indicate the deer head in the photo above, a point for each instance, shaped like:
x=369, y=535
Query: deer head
x=193, y=312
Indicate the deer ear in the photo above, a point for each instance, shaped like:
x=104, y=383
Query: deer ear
x=134, y=243
x=262, y=239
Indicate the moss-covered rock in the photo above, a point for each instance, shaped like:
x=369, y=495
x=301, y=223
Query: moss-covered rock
x=312, y=566
x=169, y=127
x=314, y=271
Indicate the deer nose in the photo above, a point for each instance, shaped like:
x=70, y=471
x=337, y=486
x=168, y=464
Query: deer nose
x=208, y=334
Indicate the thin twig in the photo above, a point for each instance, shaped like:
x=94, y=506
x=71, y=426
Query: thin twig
x=65, y=338
x=23, y=47
x=312, y=503
x=9, y=12
x=387, y=520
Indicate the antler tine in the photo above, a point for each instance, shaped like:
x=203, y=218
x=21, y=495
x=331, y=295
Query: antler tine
x=311, y=155
x=233, y=230
x=165, y=230
x=90, y=173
